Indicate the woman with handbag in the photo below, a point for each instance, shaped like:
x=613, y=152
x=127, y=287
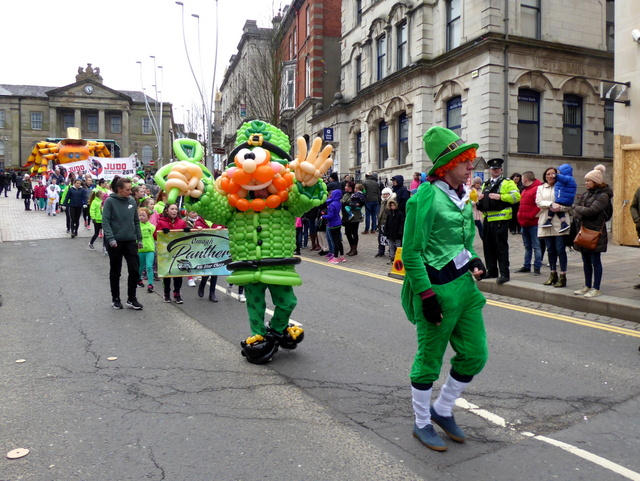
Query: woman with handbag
x=593, y=210
x=551, y=235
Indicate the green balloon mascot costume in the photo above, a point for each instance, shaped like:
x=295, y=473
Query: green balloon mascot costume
x=258, y=198
x=439, y=294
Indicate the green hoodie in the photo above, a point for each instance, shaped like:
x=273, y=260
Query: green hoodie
x=95, y=210
x=148, y=243
x=120, y=219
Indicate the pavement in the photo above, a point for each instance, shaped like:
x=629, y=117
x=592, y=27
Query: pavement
x=621, y=265
x=621, y=268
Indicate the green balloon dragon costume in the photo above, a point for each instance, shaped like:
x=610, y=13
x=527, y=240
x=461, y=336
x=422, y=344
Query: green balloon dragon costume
x=258, y=198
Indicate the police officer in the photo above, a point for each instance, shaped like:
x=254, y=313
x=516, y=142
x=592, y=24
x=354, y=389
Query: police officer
x=495, y=202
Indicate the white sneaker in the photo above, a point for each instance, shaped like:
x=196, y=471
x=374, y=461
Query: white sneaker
x=582, y=292
x=592, y=293
x=191, y=283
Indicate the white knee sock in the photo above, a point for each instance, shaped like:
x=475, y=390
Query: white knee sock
x=421, y=401
x=451, y=391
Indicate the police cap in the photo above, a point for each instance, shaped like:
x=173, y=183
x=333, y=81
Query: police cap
x=495, y=163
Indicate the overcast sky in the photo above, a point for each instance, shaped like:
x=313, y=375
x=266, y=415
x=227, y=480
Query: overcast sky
x=45, y=41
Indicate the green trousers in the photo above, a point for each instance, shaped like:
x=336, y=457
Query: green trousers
x=283, y=298
x=462, y=326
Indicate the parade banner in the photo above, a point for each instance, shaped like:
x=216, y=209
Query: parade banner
x=102, y=167
x=200, y=252
x=108, y=167
x=79, y=168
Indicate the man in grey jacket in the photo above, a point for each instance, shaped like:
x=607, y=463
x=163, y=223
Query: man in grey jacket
x=372, y=204
x=122, y=235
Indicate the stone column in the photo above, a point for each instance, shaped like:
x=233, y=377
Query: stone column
x=53, y=122
x=125, y=148
x=101, y=124
x=392, y=141
x=15, y=140
x=372, y=143
x=77, y=120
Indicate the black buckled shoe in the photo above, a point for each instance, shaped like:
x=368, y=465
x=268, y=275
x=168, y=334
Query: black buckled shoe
x=290, y=338
x=259, y=349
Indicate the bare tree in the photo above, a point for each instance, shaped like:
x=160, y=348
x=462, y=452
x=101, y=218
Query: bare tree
x=261, y=80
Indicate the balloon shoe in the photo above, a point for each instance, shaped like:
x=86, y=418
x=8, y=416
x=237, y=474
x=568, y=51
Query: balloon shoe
x=428, y=436
x=290, y=338
x=259, y=349
x=448, y=425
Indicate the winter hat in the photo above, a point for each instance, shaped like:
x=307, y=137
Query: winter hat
x=443, y=145
x=596, y=175
x=387, y=190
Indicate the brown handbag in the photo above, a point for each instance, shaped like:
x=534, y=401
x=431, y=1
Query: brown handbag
x=587, y=238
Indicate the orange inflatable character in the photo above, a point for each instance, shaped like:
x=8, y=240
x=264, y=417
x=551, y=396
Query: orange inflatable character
x=71, y=149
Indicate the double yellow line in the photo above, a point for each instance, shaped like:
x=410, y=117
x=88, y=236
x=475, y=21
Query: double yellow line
x=504, y=305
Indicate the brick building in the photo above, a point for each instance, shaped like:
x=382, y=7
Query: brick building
x=309, y=46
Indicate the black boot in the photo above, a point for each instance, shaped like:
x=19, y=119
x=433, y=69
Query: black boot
x=202, y=285
x=553, y=278
x=212, y=288
x=561, y=282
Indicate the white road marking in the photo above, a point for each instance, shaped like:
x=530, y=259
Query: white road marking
x=502, y=422
x=237, y=298
x=593, y=458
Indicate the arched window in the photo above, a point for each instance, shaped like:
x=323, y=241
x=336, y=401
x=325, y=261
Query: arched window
x=403, y=138
x=454, y=23
x=381, y=51
x=402, y=43
x=383, y=138
x=358, y=73
x=528, y=121
x=147, y=154
x=454, y=114
x=307, y=76
x=572, y=125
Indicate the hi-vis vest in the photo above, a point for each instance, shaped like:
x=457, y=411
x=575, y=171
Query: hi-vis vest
x=495, y=210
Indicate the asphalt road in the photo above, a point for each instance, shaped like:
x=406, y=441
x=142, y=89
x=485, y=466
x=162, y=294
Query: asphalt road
x=180, y=403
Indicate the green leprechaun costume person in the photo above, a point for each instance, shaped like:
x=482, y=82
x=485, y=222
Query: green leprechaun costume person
x=258, y=198
x=439, y=294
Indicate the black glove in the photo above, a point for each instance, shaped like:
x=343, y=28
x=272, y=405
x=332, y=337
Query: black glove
x=476, y=262
x=187, y=229
x=165, y=230
x=431, y=310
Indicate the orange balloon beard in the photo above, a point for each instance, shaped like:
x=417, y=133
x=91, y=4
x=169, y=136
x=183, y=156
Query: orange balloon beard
x=268, y=186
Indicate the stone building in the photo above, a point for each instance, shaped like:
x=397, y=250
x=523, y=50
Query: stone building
x=31, y=113
x=523, y=83
x=627, y=68
x=246, y=91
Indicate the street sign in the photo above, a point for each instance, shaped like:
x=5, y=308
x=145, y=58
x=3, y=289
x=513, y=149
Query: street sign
x=217, y=150
x=243, y=110
x=327, y=134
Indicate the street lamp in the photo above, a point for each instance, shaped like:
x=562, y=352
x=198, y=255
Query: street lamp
x=154, y=118
x=207, y=106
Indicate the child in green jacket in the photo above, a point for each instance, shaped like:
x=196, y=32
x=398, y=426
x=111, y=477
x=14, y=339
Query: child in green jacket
x=95, y=212
x=146, y=253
